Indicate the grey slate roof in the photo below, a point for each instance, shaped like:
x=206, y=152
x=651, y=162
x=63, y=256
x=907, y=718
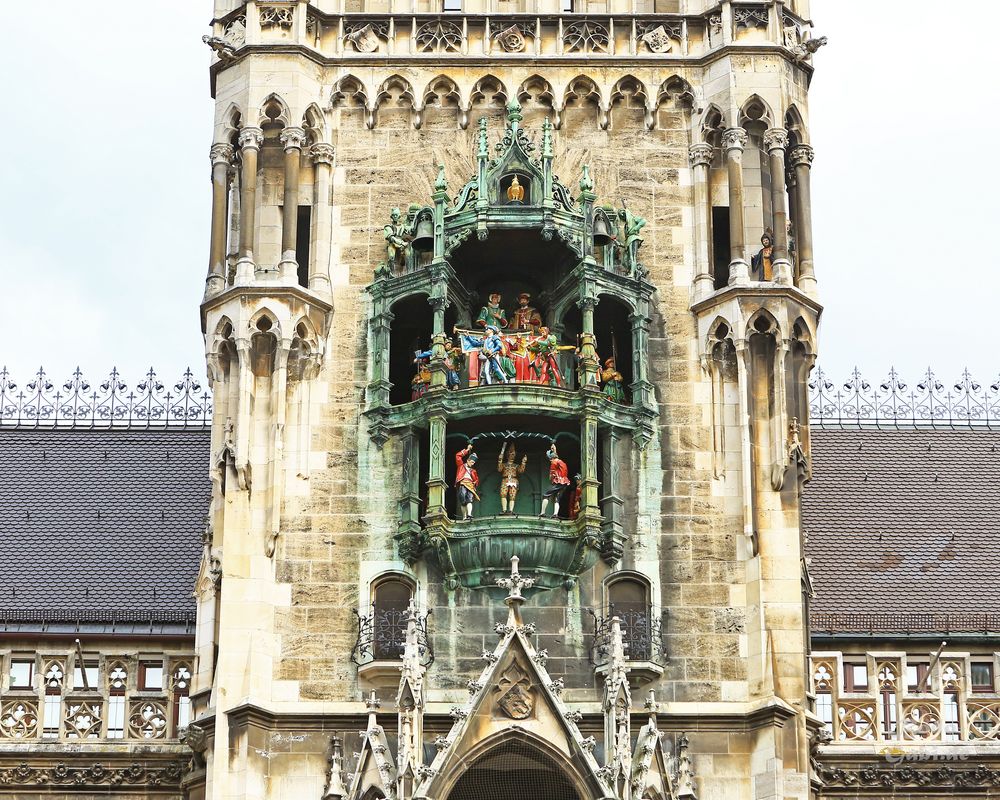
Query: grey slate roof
x=101, y=524
x=904, y=522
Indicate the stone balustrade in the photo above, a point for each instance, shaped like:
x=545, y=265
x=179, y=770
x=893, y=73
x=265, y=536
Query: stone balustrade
x=514, y=36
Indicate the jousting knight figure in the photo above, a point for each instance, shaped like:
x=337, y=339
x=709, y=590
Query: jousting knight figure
x=466, y=481
x=545, y=366
x=492, y=356
x=509, y=481
x=558, y=480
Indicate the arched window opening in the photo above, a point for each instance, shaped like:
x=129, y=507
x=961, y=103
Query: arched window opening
x=628, y=599
x=504, y=773
x=263, y=347
x=613, y=330
x=390, y=600
x=410, y=335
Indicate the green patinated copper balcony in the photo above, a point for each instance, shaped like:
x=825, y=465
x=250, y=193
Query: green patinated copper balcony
x=474, y=553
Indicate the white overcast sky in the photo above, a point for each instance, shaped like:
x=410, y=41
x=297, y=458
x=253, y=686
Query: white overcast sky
x=104, y=202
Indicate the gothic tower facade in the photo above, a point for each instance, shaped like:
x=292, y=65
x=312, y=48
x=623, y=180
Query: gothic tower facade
x=510, y=415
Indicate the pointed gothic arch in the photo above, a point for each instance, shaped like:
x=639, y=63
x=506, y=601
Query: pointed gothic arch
x=711, y=125
x=509, y=763
x=489, y=91
x=395, y=93
x=314, y=123
x=273, y=109
x=630, y=93
x=349, y=91
x=755, y=110
x=231, y=123
x=796, y=125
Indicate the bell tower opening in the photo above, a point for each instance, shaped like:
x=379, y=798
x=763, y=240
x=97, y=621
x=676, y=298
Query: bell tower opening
x=514, y=771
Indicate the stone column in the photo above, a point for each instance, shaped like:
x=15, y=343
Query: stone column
x=589, y=507
x=733, y=141
x=439, y=372
x=250, y=141
x=436, y=485
x=381, y=327
x=409, y=501
x=612, y=505
x=801, y=159
x=293, y=140
x=319, y=271
x=222, y=156
x=776, y=141
x=642, y=389
x=700, y=156
x=589, y=361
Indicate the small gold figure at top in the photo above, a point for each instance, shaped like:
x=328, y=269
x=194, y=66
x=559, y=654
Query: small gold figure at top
x=515, y=192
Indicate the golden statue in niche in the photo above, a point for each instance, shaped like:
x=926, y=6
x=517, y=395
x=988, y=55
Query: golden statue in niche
x=515, y=192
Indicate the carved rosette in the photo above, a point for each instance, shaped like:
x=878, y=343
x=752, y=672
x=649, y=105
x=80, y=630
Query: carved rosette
x=734, y=139
x=801, y=156
x=701, y=155
x=776, y=139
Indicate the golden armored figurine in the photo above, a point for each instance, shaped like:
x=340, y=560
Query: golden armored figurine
x=509, y=471
x=515, y=192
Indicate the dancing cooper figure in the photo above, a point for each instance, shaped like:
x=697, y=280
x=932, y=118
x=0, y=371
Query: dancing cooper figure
x=466, y=481
x=559, y=480
x=509, y=481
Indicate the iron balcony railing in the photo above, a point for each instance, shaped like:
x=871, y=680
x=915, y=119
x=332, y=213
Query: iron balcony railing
x=382, y=634
x=642, y=634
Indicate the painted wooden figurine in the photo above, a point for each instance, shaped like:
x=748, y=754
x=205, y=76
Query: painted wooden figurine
x=493, y=359
x=397, y=239
x=558, y=481
x=761, y=263
x=515, y=192
x=525, y=316
x=509, y=471
x=492, y=314
x=632, y=225
x=545, y=366
x=466, y=481
x=422, y=380
x=614, y=383
x=574, y=509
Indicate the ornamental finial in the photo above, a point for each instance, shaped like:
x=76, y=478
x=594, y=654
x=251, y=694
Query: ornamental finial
x=546, y=138
x=484, y=146
x=515, y=583
x=514, y=112
x=586, y=182
x=441, y=184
